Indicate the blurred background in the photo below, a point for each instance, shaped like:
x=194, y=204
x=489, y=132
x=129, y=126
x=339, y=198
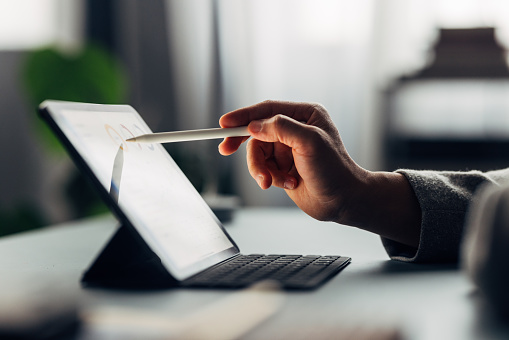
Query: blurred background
x=410, y=83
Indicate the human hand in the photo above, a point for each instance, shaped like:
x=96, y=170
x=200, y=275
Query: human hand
x=296, y=146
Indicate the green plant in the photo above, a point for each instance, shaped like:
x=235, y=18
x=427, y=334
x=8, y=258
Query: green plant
x=24, y=217
x=91, y=74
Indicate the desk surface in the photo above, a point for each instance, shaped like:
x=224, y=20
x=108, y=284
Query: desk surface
x=423, y=301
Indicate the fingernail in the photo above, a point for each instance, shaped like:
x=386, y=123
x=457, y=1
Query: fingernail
x=256, y=126
x=289, y=184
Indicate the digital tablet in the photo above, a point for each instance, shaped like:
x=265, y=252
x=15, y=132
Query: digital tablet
x=141, y=184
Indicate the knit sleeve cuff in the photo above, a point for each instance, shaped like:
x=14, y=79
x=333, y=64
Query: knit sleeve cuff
x=444, y=199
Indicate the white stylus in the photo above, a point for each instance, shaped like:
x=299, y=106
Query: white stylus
x=189, y=135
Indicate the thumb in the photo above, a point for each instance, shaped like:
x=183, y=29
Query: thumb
x=283, y=129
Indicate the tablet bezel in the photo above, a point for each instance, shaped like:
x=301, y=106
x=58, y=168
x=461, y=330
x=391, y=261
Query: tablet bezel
x=48, y=109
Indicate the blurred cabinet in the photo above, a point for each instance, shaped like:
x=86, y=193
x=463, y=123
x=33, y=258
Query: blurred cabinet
x=453, y=114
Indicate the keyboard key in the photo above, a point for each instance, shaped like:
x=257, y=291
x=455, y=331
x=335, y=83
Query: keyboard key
x=292, y=271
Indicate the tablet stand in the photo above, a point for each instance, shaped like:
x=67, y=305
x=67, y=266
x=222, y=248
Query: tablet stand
x=127, y=262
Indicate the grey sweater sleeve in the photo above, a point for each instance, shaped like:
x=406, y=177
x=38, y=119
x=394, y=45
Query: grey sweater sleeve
x=444, y=198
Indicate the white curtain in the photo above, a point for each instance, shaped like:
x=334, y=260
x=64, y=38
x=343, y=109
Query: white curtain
x=295, y=50
x=341, y=53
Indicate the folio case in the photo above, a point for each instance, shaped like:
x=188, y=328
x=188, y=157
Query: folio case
x=127, y=262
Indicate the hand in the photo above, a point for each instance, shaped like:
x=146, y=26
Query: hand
x=296, y=146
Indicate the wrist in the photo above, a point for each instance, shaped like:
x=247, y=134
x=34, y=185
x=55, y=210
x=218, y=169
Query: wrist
x=385, y=204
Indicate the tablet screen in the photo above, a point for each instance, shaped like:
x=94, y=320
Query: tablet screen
x=149, y=188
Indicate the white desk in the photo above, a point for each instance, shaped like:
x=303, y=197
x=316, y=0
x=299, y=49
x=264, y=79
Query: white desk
x=423, y=301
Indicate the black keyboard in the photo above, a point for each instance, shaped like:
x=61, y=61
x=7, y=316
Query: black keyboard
x=291, y=271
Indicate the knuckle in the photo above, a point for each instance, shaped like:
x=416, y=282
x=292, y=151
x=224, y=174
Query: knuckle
x=268, y=102
x=316, y=139
x=280, y=121
x=315, y=136
x=320, y=110
x=318, y=107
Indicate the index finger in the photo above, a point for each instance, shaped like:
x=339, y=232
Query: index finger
x=242, y=117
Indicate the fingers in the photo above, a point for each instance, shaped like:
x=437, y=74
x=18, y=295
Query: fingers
x=230, y=144
x=267, y=109
x=280, y=131
x=312, y=114
x=256, y=163
x=267, y=165
x=271, y=152
x=298, y=136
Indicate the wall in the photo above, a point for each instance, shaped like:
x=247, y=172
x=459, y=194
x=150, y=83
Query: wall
x=26, y=173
